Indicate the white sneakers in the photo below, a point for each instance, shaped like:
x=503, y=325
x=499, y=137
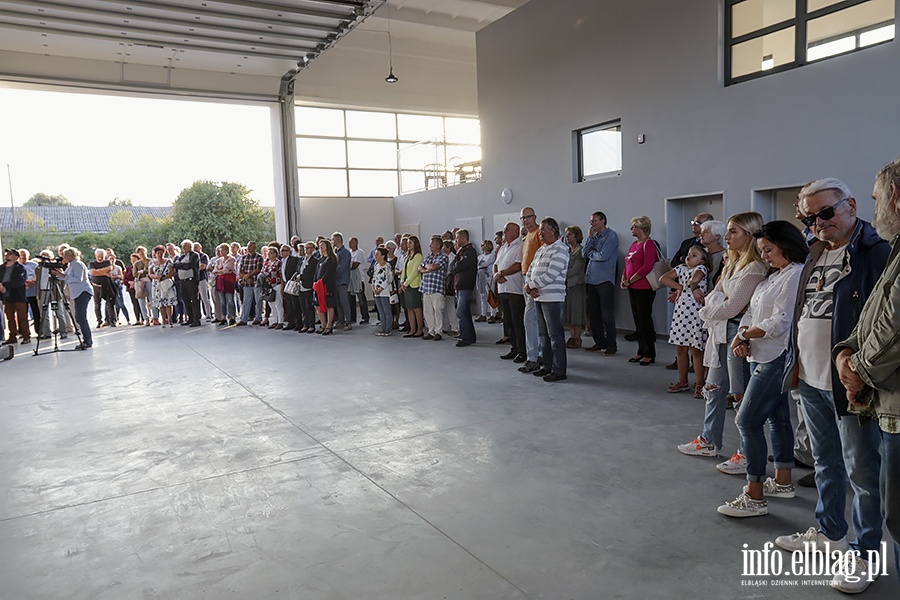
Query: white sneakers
x=745, y=506
x=736, y=465
x=852, y=574
x=811, y=539
x=698, y=447
x=776, y=490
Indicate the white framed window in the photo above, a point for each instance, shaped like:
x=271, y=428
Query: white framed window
x=360, y=153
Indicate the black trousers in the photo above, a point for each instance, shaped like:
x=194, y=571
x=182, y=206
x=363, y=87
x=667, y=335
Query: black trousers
x=291, y=311
x=190, y=295
x=642, y=311
x=35, y=313
x=601, y=315
x=513, y=308
x=307, y=309
x=363, y=306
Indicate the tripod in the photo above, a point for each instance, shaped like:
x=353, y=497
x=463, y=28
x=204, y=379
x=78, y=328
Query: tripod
x=52, y=296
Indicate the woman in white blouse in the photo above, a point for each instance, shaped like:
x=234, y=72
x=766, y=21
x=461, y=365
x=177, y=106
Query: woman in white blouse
x=762, y=340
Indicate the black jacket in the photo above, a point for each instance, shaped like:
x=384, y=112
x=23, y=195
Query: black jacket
x=326, y=270
x=466, y=267
x=15, y=287
x=686, y=245
x=308, y=273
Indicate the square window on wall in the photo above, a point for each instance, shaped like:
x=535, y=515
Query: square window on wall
x=599, y=150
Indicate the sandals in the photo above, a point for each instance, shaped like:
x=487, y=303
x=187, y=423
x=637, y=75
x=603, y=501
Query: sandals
x=326, y=331
x=678, y=386
x=698, y=391
x=636, y=358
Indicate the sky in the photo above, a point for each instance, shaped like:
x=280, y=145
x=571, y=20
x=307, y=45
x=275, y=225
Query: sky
x=94, y=148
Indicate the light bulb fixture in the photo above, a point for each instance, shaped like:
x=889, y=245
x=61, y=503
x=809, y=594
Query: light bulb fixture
x=391, y=78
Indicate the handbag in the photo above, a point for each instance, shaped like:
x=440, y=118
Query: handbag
x=493, y=300
x=292, y=286
x=165, y=286
x=660, y=268
x=140, y=290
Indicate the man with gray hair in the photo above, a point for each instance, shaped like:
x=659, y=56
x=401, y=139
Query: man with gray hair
x=545, y=282
x=839, y=275
x=187, y=270
x=868, y=361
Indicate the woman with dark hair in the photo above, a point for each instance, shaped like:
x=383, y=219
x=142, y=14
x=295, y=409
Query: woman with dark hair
x=326, y=285
x=307, y=272
x=410, y=280
x=762, y=339
x=576, y=293
x=163, y=275
x=382, y=286
x=639, y=261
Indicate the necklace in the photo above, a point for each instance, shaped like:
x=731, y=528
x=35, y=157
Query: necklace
x=821, y=283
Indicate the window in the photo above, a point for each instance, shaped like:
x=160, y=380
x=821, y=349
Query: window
x=354, y=153
x=770, y=36
x=599, y=150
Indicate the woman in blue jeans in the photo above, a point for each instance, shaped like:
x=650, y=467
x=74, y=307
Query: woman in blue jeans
x=725, y=306
x=762, y=339
x=81, y=292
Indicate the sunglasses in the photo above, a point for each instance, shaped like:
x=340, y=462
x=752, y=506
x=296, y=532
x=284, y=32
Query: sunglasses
x=693, y=223
x=824, y=214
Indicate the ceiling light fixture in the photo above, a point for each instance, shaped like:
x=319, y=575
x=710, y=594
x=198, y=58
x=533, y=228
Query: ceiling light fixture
x=391, y=78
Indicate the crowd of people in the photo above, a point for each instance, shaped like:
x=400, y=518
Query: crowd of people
x=762, y=312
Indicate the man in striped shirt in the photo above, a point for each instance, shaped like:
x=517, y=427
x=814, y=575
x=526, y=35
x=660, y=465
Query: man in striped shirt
x=545, y=282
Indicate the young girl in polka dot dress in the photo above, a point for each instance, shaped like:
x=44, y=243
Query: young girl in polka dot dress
x=686, y=332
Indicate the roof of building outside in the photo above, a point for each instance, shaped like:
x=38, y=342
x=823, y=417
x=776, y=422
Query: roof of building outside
x=74, y=219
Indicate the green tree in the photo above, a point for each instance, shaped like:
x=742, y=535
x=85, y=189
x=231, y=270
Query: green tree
x=42, y=199
x=120, y=202
x=212, y=213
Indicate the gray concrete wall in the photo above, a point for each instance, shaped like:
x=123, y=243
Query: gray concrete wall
x=554, y=66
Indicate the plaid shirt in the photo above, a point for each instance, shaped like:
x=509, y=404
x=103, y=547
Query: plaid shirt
x=251, y=262
x=433, y=281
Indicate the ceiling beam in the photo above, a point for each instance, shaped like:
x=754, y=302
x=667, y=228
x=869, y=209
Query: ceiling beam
x=296, y=55
x=512, y=4
x=129, y=27
x=128, y=14
x=432, y=19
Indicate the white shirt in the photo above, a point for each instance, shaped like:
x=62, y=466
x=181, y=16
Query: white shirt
x=508, y=255
x=772, y=310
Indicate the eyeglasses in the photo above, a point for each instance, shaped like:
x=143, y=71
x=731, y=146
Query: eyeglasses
x=523, y=217
x=824, y=214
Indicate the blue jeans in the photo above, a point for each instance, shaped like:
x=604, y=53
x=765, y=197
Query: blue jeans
x=81, y=306
x=730, y=377
x=841, y=447
x=532, y=336
x=553, y=335
x=464, y=316
x=252, y=296
x=890, y=489
x=342, y=294
x=383, y=305
x=764, y=401
x=226, y=300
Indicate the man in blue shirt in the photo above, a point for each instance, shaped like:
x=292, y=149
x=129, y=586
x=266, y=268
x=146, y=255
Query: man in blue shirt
x=601, y=251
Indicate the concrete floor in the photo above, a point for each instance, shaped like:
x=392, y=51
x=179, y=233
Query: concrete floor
x=243, y=463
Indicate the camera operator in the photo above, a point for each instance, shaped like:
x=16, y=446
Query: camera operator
x=12, y=289
x=80, y=291
x=50, y=293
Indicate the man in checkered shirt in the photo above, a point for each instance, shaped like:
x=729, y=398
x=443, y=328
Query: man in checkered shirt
x=434, y=276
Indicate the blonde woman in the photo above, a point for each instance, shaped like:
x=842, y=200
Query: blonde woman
x=639, y=261
x=722, y=313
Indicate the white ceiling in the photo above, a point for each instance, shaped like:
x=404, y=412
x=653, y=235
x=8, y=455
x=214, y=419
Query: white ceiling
x=225, y=39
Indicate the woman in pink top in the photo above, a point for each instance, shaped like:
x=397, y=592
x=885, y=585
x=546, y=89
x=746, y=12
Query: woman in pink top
x=639, y=261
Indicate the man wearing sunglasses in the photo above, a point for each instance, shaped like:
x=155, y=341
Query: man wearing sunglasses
x=839, y=275
x=867, y=360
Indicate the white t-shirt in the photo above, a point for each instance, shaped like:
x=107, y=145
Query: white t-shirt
x=507, y=255
x=814, y=326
